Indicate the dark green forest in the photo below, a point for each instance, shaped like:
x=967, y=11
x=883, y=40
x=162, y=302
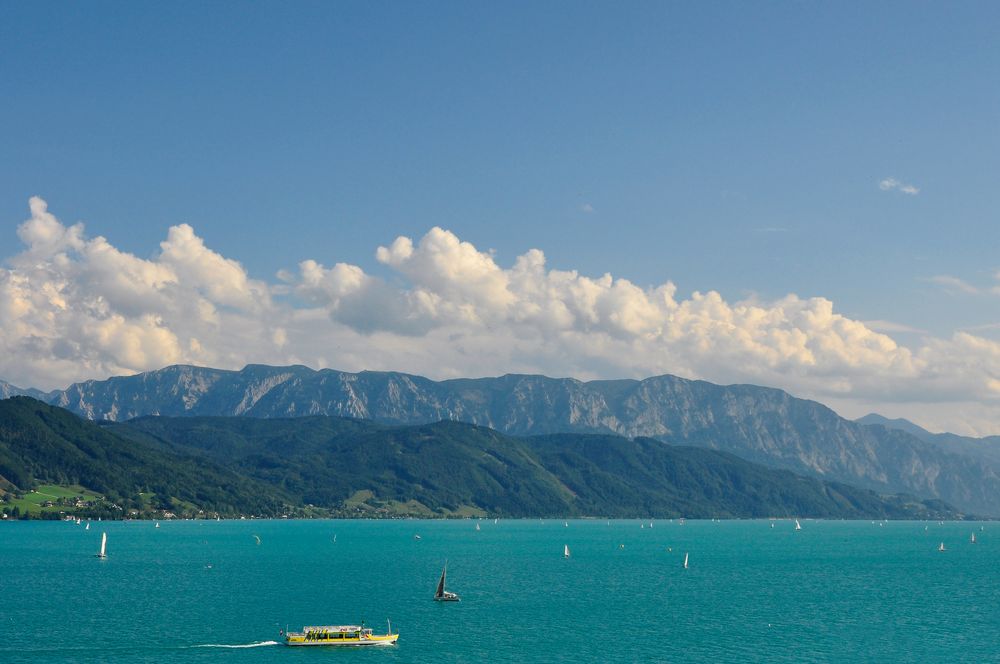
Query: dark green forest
x=329, y=466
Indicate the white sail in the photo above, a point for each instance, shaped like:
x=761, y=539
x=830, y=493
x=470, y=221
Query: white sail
x=798, y=526
x=157, y=524
x=566, y=551
x=477, y=526
x=104, y=546
x=685, y=561
x=973, y=538
x=941, y=547
x=87, y=526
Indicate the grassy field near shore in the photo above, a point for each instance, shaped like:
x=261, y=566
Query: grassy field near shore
x=36, y=501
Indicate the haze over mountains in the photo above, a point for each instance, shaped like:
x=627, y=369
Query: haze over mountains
x=763, y=425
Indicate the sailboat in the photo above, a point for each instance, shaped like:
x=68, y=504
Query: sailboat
x=442, y=595
x=477, y=526
x=798, y=526
x=685, y=560
x=157, y=524
x=941, y=547
x=972, y=540
x=87, y=527
x=104, y=546
x=566, y=551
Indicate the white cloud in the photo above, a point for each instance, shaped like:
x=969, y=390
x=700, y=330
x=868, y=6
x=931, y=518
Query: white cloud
x=952, y=284
x=587, y=208
x=72, y=307
x=890, y=184
x=890, y=326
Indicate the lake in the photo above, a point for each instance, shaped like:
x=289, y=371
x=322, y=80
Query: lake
x=206, y=591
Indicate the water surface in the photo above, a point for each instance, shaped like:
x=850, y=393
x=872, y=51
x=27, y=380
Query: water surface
x=206, y=591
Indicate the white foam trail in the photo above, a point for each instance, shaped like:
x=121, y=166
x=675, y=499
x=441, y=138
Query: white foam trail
x=243, y=645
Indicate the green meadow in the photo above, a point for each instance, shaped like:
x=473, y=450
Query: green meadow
x=62, y=499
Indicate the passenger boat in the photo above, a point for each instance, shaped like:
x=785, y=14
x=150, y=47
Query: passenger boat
x=340, y=635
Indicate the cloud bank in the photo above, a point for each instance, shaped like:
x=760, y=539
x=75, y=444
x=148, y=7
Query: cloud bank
x=74, y=307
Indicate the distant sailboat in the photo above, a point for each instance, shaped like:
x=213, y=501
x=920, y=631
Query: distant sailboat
x=772, y=524
x=157, y=524
x=78, y=522
x=104, y=546
x=442, y=595
x=972, y=539
x=477, y=526
x=416, y=537
x=798, y=526
x=566, y=551
x=685, y=561
x=496, y=521
x=565, y=524
x=257, y=537
x=941, y=547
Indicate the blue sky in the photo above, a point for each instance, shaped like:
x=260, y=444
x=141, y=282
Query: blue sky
x=728, y=147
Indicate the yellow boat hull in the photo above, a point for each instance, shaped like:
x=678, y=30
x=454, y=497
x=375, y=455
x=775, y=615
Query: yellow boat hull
x=373, y=640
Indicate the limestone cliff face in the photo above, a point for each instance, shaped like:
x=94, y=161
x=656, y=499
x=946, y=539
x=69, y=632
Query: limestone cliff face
x=760, y=424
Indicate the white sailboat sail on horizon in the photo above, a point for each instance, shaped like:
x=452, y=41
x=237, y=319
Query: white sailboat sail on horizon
x=104, y=546
x=685, y=560
x=798, y=526
x=566, y=551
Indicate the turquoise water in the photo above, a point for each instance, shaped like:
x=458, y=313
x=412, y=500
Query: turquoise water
x=204, y=591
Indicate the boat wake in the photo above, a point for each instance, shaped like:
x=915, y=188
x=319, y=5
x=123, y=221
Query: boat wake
x=259, y=644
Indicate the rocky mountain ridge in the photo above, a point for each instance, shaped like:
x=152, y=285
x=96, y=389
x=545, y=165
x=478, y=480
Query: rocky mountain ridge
x=760, y=424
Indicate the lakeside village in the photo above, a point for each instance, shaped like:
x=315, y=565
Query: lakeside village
x=70, y=503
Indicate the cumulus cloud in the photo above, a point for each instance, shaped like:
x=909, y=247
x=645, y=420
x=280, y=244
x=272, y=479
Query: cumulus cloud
x=892, y=184
x=74, y=307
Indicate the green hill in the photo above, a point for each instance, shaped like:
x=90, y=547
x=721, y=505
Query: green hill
x=41, y=444
x=451, y=467
x=330, y=466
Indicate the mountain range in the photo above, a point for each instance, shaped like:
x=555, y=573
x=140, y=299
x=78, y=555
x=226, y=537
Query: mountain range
x=759, y=424
x=323, y=465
